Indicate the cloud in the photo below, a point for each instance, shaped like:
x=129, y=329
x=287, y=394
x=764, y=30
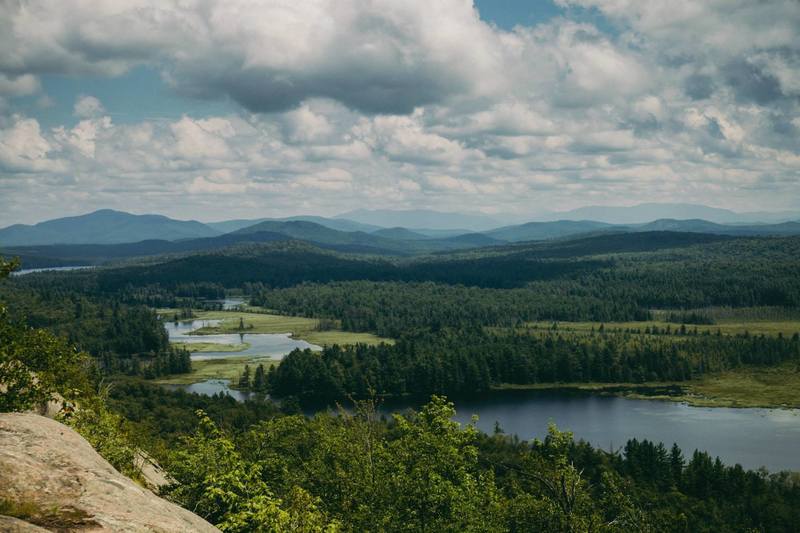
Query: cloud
x=24, y=149
x=202, y=139
x=21, y=85
x=374, y=56
x=405, y=104
x=88, y=107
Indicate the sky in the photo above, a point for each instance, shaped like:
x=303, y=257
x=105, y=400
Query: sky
x=219, y=109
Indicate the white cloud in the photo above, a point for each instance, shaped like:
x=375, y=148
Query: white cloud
x=83, y=136
x=408, y=104
x=202, y=139
x=88, y=107
x=24, y=149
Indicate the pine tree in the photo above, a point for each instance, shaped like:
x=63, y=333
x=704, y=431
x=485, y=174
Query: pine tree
x=259, y=380
x=244, y=379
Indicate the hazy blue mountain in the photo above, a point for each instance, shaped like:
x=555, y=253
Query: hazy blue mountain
x=402, y=234
x=228, y=226
x=341, y=224
x=92, y=254
x=442, y=233
x=386, y=241
x=420, y=219
x=311, y=231
x=536, y=231
x=103, y=227
x=704, y=226
x=644, y=213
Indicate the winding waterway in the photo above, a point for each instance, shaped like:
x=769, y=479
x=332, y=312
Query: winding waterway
x=271, y=345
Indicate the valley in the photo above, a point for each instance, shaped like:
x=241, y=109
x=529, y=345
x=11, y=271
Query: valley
x=643, y=345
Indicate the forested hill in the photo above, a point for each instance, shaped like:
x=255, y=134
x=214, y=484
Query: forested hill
x=601, y=277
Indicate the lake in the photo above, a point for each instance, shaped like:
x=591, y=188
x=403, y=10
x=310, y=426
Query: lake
x=271, y=345
x=750, y=437
x=24, y=271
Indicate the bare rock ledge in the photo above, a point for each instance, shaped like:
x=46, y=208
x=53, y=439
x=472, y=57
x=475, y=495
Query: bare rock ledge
x=51, y=478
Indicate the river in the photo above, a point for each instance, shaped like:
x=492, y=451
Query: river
x=271, y=345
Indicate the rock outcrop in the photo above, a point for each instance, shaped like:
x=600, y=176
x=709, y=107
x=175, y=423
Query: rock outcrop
x=51, y=478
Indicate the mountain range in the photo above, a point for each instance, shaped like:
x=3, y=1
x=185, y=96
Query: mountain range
x=648, y=212
x=111, y=235
x=105, y=226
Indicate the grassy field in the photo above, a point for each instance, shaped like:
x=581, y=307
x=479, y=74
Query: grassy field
x=749, y=387
x=774, y=387
x=726, y=326
x=196, y=347
x=227, y=368
x=300, y=327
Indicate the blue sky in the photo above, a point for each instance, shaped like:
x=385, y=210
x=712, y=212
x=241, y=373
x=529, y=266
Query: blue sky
x=279, y=108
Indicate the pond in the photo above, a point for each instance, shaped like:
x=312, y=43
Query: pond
x=211, y=387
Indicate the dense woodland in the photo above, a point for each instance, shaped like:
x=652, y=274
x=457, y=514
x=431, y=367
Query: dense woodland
x=123, y=338
x=467, y=361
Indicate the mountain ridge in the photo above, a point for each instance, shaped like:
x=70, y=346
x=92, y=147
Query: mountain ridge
x=104, y=226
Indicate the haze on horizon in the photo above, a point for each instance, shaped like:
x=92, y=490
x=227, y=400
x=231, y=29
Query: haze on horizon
x=217, y=110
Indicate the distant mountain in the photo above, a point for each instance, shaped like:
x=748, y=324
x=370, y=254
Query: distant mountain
x=400, y=234
x=643, y=213
x=441, y=233
x=704, y=226
x=93, y=254
x=313, y=232
x=228, y=226
x=392, y=240
x=104, y=227
x=266, y=231
x=536, y=231
x=421, y=218
x=341, y=224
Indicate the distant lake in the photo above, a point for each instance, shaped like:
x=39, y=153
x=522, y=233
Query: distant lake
x=23, y=271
